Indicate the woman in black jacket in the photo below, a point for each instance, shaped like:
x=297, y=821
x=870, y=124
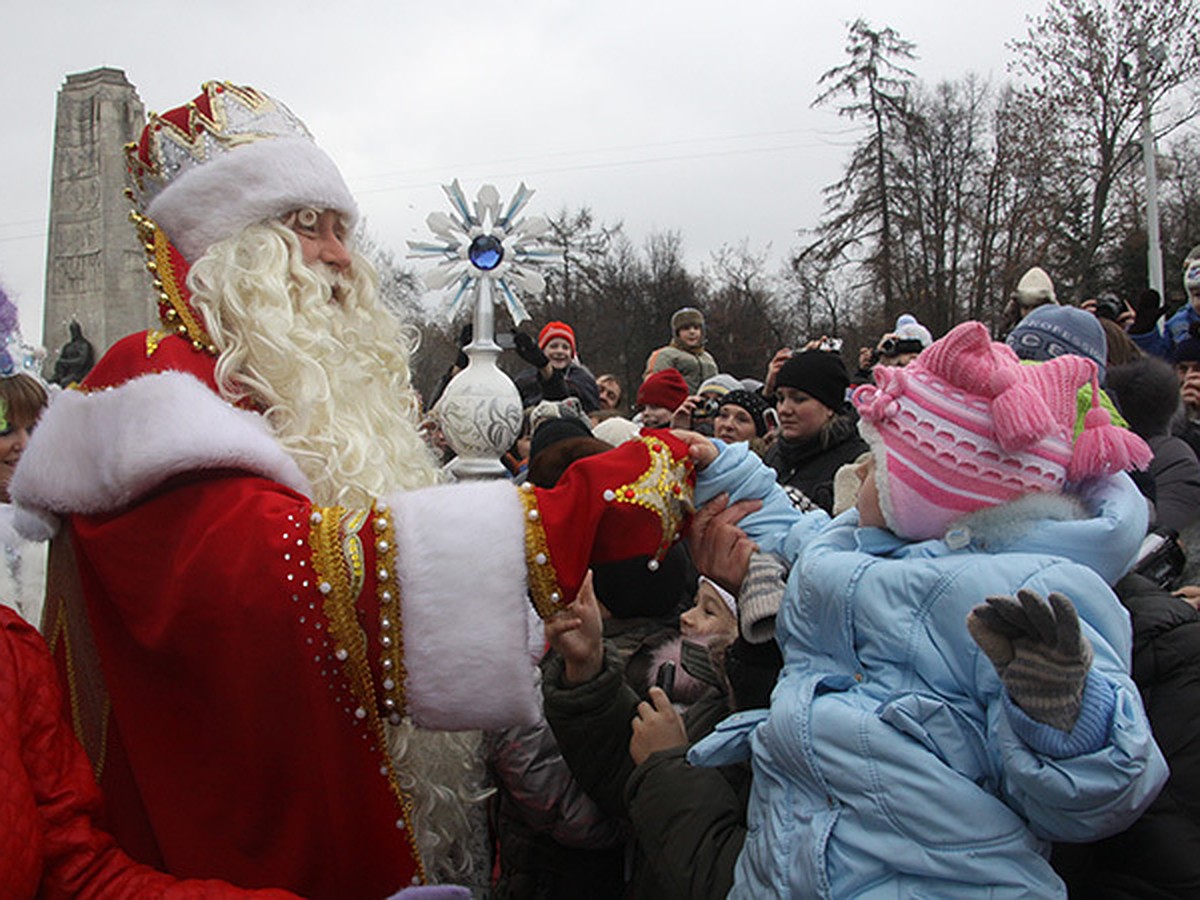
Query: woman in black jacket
x=818, y=433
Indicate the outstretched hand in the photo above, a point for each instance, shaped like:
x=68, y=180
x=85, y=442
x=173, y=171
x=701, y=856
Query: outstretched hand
x=719, y=548
x=1039, y=651
x=701, y=450
x=657, y=726
x=529, y=351
x=577, y=633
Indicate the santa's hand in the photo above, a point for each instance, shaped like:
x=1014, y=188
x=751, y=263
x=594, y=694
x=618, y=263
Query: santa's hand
x=1039, y=652
x=657, y=726
x=632, y=501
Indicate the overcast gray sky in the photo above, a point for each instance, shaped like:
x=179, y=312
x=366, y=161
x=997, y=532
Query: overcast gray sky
x=661, y=114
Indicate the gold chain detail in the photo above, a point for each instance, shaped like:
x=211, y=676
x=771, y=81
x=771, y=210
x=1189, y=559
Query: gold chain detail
x=174, y=310
x=333, y=581
x=543, y=579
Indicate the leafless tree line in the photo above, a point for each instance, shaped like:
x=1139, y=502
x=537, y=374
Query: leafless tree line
x=952, y=191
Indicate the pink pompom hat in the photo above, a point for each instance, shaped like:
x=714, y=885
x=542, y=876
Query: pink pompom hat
x=966, y=426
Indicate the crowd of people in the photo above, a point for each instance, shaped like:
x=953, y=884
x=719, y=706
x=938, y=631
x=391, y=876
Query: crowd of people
x=907, y=630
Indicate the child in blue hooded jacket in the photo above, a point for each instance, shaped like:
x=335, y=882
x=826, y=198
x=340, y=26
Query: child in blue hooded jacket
x=920, y=741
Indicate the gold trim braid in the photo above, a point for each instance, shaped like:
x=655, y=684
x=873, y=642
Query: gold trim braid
x=333, y=572
x=544, y=589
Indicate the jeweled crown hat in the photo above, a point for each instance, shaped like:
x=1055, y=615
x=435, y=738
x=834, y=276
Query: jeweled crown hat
x=229, y=158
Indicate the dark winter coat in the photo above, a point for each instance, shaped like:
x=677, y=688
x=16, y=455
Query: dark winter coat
x=1159, y=856
x=552, y=839
x=689, y=821
x=573, y=381
x=1176, y=474
x=1147, y=393
x=810, y=466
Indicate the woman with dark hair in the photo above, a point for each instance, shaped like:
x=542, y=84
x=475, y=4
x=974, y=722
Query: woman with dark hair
x=818, y=433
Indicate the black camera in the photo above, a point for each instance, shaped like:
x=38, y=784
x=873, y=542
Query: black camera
x=1109, y=307
x=895, y=346
x=1161, y=558
x=706, y=408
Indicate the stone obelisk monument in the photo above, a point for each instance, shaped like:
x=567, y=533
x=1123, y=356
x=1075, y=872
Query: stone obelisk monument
x=95, y=272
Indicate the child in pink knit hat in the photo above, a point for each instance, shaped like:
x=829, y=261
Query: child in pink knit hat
x=944, y=709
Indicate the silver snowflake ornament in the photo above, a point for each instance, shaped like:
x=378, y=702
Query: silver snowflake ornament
x=485, y=245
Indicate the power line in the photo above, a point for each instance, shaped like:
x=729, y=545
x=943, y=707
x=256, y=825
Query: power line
x=603, y=150
x=550, y=170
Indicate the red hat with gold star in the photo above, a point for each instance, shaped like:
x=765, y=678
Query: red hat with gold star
x=633, y=500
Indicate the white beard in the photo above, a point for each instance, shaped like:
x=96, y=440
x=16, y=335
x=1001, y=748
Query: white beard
x=322, y=359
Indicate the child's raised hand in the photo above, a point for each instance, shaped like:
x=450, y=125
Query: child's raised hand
x=1039, y=652
x=701, y=450
x=577, y=635
x=657, y=726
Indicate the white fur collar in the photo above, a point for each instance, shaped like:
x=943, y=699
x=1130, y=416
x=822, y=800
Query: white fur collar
x=99, y=452
x=999, y=526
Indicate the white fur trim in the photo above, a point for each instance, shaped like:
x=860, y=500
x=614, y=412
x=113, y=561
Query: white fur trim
x=460, y=558
x=34, y=524
x=259, y=181
x=100, y=452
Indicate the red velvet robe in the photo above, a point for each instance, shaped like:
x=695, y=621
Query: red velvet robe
x=234, y=749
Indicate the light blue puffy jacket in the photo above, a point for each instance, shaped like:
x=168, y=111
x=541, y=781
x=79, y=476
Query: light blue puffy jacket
x=890, y=763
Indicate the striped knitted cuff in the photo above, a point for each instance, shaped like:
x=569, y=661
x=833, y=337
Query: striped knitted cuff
x=1091, y=728
x=760, y=597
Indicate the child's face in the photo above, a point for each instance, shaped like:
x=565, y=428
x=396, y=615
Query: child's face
x=870, y=514
x=656, y=416
x=709, y=620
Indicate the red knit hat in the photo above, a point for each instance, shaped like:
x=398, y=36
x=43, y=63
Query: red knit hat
x=666, y=388
x=557, y=330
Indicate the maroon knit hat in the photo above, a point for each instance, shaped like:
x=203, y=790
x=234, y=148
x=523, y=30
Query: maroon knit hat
x=666, y=388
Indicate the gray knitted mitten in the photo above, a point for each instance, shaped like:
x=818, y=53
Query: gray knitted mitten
x=1039, y=652
x=760, y=596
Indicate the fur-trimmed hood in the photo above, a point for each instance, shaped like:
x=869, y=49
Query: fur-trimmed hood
x=100, y=452
x=1099, y=526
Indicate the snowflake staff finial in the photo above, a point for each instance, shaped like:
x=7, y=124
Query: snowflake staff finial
x=482, y=246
